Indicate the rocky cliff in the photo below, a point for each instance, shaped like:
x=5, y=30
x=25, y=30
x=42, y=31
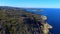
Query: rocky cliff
x=20, y=21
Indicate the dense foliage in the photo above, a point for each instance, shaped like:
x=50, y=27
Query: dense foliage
x=19, y=21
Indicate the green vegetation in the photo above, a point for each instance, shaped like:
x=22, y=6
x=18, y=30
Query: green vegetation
x=16, y=21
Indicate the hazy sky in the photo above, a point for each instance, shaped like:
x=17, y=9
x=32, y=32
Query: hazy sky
x=31, y=3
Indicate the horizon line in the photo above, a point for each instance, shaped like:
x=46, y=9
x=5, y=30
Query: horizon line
x=29, y=7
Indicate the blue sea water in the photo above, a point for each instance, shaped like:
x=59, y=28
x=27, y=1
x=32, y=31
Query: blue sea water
x=53, y=19
x=53, y=15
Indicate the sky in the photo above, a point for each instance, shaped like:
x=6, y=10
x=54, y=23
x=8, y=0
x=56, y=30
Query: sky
x=31, y=3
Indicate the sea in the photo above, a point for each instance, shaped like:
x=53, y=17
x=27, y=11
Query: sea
x=53, y=15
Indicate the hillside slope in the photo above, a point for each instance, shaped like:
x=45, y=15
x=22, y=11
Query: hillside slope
x=19, y=21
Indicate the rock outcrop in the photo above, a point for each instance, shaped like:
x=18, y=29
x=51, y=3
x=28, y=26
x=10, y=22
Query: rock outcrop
x=20, y=21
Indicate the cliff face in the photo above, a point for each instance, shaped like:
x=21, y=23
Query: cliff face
x=20, y=21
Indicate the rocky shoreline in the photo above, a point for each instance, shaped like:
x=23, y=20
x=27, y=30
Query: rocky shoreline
x=20, y=21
